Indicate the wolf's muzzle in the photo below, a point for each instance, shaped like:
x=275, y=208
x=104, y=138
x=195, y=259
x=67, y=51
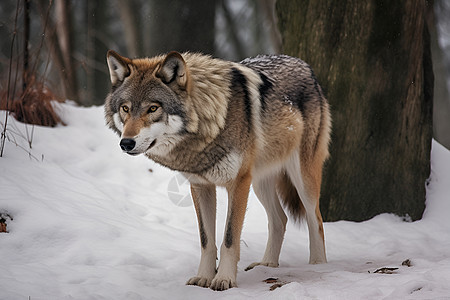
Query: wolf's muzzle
x=127, y=144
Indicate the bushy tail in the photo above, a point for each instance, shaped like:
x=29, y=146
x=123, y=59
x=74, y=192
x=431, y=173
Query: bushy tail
x=290, y=198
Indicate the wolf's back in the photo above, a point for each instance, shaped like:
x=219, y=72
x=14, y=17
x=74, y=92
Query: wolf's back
x=290, y=77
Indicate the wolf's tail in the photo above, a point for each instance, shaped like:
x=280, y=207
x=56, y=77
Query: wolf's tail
x=290, y=198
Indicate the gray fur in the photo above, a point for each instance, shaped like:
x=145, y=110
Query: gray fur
x=264, y=120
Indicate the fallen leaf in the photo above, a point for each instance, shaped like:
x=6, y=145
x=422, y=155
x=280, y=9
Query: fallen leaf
x=276, y=285
x=386, y=270
x=270, y=280
x=407, y=263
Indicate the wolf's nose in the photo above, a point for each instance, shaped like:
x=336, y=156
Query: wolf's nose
x=127, y=144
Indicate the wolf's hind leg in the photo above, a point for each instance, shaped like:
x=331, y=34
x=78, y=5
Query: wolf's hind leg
x=307, y=180
x=204, y=197
x=265, y=190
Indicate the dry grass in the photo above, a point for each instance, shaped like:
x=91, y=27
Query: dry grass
x=33, y=106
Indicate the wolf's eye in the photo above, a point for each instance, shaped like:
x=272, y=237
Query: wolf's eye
x=125, y=108
x=152, y=109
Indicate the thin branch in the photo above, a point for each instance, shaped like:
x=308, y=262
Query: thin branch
x=26, y=38
x=47, y=15
x=3, y=136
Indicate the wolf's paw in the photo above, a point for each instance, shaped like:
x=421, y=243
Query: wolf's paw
x=199, y=281
x=222, y=283
x=267, y=264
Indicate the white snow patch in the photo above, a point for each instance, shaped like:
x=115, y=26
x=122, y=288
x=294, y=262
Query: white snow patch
x=93, y=223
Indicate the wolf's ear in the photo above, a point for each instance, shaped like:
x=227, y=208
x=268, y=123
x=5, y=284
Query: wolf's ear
x=118, y=66
x=173, y=68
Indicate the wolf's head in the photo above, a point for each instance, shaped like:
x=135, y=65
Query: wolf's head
x=147, y=104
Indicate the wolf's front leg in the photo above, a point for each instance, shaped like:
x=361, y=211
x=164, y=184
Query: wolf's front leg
x=229, y=252
x=204, y=197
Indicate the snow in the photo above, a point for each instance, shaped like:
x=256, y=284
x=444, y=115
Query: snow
x=90, y=222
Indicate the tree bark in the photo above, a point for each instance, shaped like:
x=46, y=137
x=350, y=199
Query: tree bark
x=373, y=59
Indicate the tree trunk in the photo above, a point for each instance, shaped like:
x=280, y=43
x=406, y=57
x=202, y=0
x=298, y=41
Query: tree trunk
x=373, y=59
x=182, y=25
x=132, y=27
x=98, y=78
x=64, y=35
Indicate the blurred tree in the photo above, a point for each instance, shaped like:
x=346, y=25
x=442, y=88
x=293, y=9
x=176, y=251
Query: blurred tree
x=233, y=30
x=181, y=25
x=269, y=15
x=246, y=28
x=58, y=33
x=132, y=27
x=439, y=25
x=373, y=59
x=97, y=41
x=64, y=47
x=26, y=40
x=78, y=34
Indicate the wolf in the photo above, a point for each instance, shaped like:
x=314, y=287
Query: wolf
x=263, y=122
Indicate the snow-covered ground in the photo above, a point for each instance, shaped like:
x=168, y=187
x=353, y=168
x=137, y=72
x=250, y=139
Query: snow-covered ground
x=93, y=223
